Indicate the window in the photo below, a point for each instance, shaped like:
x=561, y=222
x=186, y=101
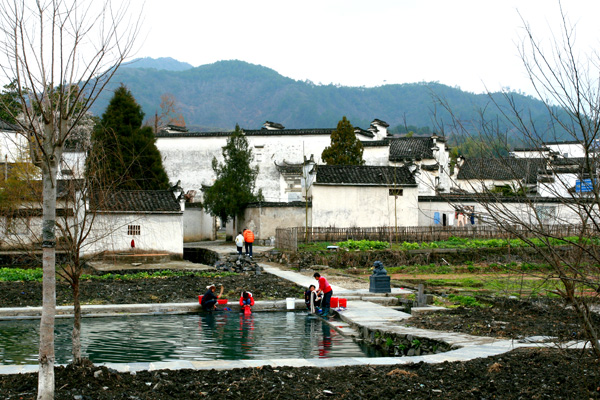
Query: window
x=133, y=229
x=396, y=192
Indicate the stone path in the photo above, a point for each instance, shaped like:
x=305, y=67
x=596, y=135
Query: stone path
x=360, y=312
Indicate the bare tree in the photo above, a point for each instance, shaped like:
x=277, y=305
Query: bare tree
x=169, y=114
x=61, y=55
x=548, y=192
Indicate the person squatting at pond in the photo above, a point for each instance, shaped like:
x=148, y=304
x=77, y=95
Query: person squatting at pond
x=312, y=299
x=239, y=243
x=248, y=241
x=246, y=300
x=209, y=300
x=326, y=291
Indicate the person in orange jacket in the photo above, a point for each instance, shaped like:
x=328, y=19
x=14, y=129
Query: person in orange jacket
x=246, y=300
x=248, y=240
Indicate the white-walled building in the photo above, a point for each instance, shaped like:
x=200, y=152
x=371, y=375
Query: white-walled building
x=136, y=221
x=364, y=196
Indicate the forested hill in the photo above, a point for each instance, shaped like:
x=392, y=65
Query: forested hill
x=219, y=95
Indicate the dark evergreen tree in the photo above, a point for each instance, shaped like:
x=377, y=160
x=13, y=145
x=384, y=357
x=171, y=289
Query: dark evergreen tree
x=10, y=106
x=236, y=178
x=345, y=148
x=129, y=151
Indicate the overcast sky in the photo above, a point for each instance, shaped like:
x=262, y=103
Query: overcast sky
x=469, y=44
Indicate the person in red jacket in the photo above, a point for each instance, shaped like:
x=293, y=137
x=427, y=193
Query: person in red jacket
x=326, y=291
x=246, y=300
x=248, y=240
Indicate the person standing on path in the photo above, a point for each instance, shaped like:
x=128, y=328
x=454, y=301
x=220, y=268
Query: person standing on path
x=239, y=242
x=248, y=240
x=326, y=291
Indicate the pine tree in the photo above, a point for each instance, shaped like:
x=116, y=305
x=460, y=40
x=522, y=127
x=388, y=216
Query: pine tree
x=234, y=186
x=345, y=148
x=129, y=151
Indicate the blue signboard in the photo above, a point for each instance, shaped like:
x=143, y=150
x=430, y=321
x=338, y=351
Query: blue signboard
x=584, y=185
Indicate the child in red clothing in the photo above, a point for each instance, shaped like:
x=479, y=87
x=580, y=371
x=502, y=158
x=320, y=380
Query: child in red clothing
x=246, y=301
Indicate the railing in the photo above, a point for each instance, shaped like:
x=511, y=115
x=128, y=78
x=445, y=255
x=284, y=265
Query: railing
x=289, y=238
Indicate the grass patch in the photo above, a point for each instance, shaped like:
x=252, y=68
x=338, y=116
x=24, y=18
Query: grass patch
x=36, y=274
x=465, y=301
x=20, y=275
x=157, y=274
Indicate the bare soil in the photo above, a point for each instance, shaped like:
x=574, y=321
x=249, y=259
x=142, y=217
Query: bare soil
x=520, y=374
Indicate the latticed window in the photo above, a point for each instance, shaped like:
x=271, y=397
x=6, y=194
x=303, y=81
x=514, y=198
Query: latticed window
x=396, y=192
x=133, y=229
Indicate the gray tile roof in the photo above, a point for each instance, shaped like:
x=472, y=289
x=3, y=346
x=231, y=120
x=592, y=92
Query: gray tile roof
x=251, y=132
x=5, y=126
x=363, y=175
x=502, y=169
x=142, y=201
x=375, y=143
x=412, y=148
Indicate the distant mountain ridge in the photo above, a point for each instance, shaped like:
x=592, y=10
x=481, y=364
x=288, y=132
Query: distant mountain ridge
x=219, y=95
x=165, y=63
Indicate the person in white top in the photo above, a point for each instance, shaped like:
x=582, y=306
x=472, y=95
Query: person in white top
x=239, y=242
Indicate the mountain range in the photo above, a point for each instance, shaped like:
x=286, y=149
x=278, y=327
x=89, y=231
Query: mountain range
x=220, y=95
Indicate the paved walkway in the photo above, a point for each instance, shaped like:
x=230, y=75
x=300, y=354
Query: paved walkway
x=360, y=312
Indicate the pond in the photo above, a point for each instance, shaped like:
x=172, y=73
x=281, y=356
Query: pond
x=191, y=337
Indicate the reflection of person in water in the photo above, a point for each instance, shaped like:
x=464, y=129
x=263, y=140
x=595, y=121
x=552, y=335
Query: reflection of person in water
x=325, y=344
x=246, y=328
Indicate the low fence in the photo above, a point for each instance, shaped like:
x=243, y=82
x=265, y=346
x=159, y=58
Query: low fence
x=289, y=238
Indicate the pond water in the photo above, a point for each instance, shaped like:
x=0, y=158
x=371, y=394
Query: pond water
x=192, y=337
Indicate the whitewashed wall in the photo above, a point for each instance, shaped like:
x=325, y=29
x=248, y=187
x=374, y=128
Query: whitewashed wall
x=265, y=220
x=363, y=206
x=570, y=150
x=376, y=155
x=554, y=212
x=189, y=159
x=13, y=147
x=158, y=232
x=73, y=161
x=197, y=224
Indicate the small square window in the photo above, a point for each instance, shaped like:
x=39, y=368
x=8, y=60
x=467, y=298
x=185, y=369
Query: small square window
x=396, y=192
x=133, y=229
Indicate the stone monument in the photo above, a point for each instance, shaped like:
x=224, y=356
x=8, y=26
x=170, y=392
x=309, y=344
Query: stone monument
x=380, y=281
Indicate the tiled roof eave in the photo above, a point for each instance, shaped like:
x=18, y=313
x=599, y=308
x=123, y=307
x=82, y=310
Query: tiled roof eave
x=136, y=212
x=366, y=184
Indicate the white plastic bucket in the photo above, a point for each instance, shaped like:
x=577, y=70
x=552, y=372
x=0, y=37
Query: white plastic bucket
x=290, y=303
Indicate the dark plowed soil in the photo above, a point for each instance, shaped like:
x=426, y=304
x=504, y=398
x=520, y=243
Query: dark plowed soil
x=178, y=289
x=509, y=319
x=520, y=374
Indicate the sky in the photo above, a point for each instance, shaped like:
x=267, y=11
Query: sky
x=468, y=44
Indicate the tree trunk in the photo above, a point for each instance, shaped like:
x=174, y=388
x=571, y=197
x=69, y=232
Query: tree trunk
x=46, y=354
x=76, y=336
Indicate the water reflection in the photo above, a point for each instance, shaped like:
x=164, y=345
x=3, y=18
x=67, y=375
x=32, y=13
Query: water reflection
x=223, y=335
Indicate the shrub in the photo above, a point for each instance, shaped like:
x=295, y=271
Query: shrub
x=466, y=301
x=363, y=245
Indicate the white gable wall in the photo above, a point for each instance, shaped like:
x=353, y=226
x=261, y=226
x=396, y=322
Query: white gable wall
x=13, y=147
x=362, y=206
x=158, y=232
x=376, y=155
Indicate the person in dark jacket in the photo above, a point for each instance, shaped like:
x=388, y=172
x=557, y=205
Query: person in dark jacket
x=209, y=300
x=312, y=299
